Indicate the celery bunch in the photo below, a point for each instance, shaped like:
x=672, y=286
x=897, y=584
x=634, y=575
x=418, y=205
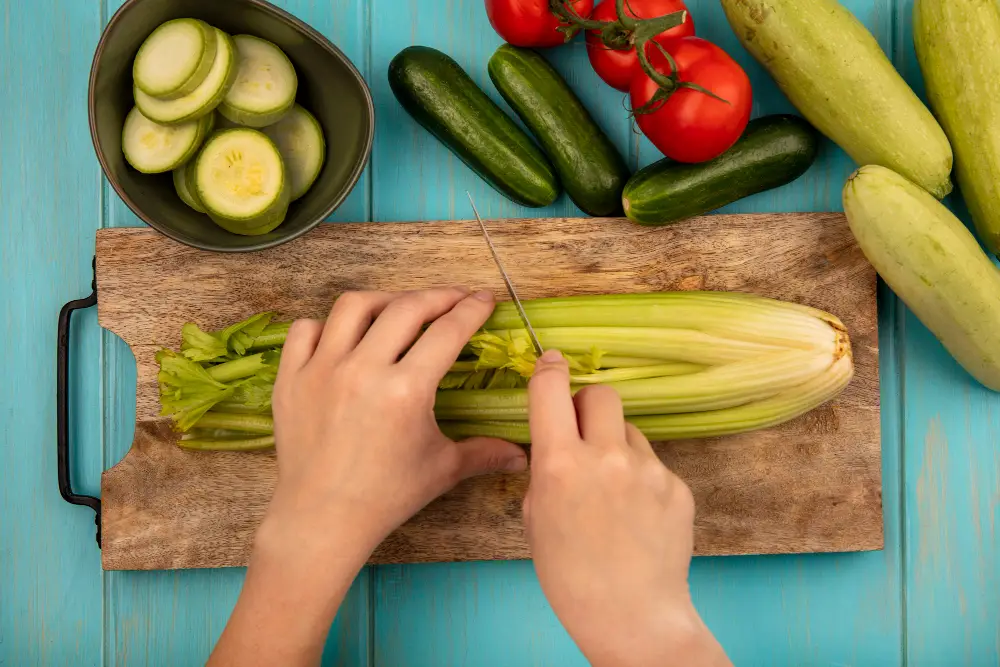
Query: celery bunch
x=686, y=364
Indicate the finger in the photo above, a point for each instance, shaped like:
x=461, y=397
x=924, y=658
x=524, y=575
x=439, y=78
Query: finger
x=600, y=415
x=551, y=414
x=300, y=345
x=480, y=456
x=637, y=440
x=394, y=331
x=351, y=316
x=438, y=347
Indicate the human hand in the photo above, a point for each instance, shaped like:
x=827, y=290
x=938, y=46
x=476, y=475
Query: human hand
x=359, y=451
x=611, y=530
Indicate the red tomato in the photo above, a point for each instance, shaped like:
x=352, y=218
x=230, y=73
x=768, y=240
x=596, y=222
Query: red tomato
x=692, y=126
x=531, y=23
x=616, y=66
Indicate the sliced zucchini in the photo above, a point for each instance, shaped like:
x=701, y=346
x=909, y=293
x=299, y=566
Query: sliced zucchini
x=153, y=148
x=300, y=141
x=240, y=179
x=184, y=175
x=175, y=58
x=265, y=85
x=205, y=97
x=181, y=185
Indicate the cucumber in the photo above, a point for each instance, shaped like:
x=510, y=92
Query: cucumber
x=440, y=96
x=589, y=166
x=958, y=47
x=175, y=58
x=239, y=178
x=300, y=141
x=933, y=263
x=773, y=151
x=182, y=185
x=835, y=73
x=265, y=84
x=152, y=148
x=205, y=97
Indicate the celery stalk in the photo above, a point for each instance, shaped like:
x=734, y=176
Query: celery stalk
x=259, y=424
x=237, y=369
x=712, y=389
x=666, y=344
x=640, y=372
x=229, y=445
x=746, y=317
x=772, y=411
x=686, y=364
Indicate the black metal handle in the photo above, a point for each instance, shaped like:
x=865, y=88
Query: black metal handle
x=62, y=405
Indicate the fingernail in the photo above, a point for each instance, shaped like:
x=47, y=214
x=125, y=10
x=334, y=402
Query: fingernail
x=483, y=295
x=551, y=357
x=517, y=464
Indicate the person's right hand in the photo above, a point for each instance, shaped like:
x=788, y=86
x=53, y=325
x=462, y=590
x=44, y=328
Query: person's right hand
x=611, y=530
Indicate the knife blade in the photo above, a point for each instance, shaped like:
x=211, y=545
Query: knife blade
x=506, y=281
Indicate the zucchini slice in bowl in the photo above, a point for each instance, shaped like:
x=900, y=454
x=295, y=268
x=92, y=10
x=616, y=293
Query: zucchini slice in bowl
x=152, y=148
x=265, y=84
x=182, y=184
x=203, y=99
x=175, y=58
x=300, y=141
x=240, y=179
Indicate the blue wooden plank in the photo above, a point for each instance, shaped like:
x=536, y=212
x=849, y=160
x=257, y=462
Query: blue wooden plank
x=952, y=483
x=50, y=604
x=840, y=609
x=158, y=618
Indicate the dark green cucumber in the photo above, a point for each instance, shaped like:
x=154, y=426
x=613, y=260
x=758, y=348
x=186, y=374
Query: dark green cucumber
x=773, y=151
x=439, y=95
x=589, y=166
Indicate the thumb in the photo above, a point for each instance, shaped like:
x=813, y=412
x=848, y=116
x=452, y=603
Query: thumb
x=479, y=456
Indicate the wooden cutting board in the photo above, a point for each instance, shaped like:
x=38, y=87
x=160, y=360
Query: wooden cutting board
x=813, y=484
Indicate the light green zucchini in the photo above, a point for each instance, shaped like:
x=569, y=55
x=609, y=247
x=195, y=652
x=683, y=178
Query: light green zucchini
x=958, y=47
x=239, y=178
x=836, y=74
x=265, y=85
x=933, y=263
x=205, y=97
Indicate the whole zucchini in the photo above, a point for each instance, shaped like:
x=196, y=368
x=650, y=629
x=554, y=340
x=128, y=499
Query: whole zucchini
x=835, y=73
x=932, y=262
x=958, y=46
x=589, y=166
x=773, y=151
x=439, y=95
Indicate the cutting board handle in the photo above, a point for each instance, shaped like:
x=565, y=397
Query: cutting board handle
x=62, y=405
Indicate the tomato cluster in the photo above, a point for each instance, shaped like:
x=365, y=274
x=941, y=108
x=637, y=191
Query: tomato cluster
x=689, y=97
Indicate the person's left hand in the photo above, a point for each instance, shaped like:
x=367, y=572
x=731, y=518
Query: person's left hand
x=359, y=451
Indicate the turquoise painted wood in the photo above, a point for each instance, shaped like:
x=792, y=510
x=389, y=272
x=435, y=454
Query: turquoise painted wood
x=931, y=598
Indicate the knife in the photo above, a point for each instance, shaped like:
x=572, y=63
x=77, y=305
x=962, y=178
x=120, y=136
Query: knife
x=506, y=280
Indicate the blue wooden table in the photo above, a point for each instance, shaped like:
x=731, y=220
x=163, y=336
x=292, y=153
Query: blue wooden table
x=931, y=598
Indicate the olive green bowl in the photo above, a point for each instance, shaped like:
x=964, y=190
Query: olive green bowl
x=329, y=86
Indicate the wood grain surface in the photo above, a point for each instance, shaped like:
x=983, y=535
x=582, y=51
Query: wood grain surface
x=813, y=484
